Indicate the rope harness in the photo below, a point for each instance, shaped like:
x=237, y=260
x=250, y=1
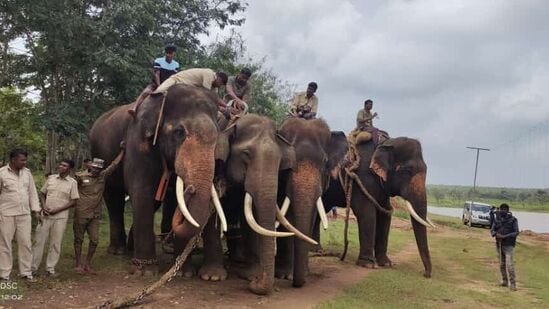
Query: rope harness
x=347, y=185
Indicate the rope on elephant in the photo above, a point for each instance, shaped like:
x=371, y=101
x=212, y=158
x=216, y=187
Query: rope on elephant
x=160, y=115
x=135, y=299
x=347, y=185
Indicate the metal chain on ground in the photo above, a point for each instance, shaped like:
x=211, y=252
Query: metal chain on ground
x=167, y=277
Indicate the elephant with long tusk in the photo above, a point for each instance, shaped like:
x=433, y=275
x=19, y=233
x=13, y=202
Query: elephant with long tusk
x=302, y=188
x=185, y=122
x=249, y=156
x=393, y=168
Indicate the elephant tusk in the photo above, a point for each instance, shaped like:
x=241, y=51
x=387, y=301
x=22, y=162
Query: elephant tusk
x=293, y=229
x=431, y=223
x=181, y=202
x=284, y=209
x=248, y=213
x=219, y=209
x=414, y=215
x=322, y=213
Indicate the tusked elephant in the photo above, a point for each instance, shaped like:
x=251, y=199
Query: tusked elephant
x=301, y=188
x=186, y=142
x=250, y=156
x=393, y=168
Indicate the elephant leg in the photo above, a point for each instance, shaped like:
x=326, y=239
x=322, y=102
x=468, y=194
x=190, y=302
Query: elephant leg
x=114, y=199
x=284, y=262
x=251, y=268
x=168, y=207
x=316, y=235
x=235, y=239
x=213, y=269
x=143, y=233
x=365, y=213
x=382, y=238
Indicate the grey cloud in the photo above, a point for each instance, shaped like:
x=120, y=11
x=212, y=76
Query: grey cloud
x=451, y=73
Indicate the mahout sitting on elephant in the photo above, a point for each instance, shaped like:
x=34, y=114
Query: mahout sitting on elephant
x=392, y=168
x=185, y=120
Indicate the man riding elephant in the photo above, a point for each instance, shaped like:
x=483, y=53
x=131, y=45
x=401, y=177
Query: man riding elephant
x=185, y=121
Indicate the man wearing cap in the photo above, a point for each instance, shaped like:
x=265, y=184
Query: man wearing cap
x=238, y=89
x=163, y=68
x=18, y=197
x=91, y=185
x=59, y=194
x=305, y=104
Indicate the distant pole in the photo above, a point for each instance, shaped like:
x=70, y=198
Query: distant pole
x=478, y=149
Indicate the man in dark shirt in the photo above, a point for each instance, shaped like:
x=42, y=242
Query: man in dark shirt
x=163, y=68
x=87, y=213
x=505, y=230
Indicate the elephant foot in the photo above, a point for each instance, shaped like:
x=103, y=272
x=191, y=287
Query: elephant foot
x=261, y=285
x=116, y=250
x=186, y=270
x=144, y=271
x=367, y=263
x=250, y=272
x=284, y=272
x=212, y=272
x=317, y=249
x=384, y=261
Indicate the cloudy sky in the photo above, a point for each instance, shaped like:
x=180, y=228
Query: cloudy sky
x=450, y=73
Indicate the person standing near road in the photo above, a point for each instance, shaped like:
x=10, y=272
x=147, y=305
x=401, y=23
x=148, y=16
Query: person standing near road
x=87, y=214
x=18, y=197
x=505, y=230
x=59, y=194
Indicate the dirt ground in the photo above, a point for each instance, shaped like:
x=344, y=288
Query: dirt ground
x=328, y=278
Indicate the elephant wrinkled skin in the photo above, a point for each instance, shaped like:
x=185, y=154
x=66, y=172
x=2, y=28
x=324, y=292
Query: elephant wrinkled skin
x=394, y=168
x=186, y=141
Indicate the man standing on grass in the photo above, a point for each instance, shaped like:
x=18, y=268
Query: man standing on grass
x=59, y=193
x=18, y=197
x=505, y=230
x=87, y=214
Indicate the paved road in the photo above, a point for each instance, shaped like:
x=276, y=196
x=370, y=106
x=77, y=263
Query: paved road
x=534, y=221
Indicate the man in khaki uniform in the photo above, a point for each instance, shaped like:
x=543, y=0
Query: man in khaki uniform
x=305, y=104
x=238, y=89
x=364, y=117
x=204, y=78
x=59, y=193
x=87, y=214
x=18, y=197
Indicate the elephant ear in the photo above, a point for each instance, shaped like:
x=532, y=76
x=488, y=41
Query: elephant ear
x=223, y=145
x=288, y=153
x=148, y=115
x=337, y=148
x=382, y=160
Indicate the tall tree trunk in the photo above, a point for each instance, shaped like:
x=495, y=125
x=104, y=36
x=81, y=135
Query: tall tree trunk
x=51, y=160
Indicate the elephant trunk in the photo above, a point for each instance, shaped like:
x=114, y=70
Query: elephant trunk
x=305, y=190
x=194, y=164
x=262, y=184
x=415, y=193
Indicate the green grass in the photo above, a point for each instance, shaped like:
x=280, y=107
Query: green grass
x=103, y=263
x=465, y=274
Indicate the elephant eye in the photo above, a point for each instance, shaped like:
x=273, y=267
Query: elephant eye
x=179, y=133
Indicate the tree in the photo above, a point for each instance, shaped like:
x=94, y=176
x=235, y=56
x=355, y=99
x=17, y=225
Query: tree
x=18, y=128
x=268, y=94
x=86, y=56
